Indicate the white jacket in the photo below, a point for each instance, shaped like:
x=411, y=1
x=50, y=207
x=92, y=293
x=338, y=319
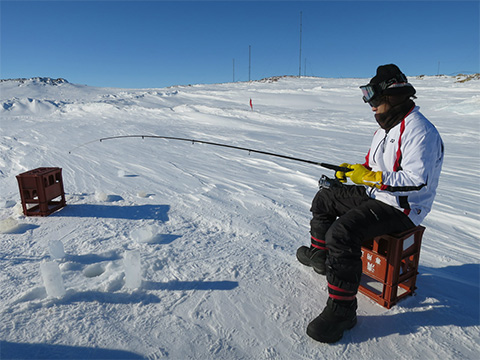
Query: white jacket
x=410, y=156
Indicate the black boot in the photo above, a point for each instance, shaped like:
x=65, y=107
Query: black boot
x=329, y=326
x=313, y=257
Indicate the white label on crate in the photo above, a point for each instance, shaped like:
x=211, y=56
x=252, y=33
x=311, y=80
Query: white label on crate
x=408, y=242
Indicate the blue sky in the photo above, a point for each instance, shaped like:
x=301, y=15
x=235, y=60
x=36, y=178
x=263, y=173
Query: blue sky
x=140, y=44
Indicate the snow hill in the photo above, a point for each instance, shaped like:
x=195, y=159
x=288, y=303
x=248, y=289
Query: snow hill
x=216, y=229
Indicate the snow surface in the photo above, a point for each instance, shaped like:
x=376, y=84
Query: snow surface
x=217, y=229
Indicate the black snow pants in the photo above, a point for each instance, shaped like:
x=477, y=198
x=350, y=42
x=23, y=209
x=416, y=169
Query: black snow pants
x=344, y=217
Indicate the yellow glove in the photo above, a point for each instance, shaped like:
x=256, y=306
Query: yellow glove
x=362, y=176
x=340, y=175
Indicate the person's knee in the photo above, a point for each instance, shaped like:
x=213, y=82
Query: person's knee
x=343, y=240
x=320, y=200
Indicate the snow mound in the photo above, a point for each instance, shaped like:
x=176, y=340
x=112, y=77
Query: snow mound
x=30, y=106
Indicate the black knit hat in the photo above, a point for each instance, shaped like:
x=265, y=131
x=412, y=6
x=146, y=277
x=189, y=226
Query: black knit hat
x=392, y=81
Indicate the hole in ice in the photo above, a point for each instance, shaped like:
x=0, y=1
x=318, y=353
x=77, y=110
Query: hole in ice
x=93, y=270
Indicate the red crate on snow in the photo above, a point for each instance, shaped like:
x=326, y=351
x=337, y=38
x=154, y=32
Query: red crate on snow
x=41, y=191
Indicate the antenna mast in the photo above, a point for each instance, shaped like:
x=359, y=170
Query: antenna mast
x=249, y=60
x=300, y=57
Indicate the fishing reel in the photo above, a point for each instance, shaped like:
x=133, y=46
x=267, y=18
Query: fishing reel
x=326, y=183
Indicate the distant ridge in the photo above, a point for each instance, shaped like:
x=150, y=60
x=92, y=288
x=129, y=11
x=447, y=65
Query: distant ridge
x=44, y=80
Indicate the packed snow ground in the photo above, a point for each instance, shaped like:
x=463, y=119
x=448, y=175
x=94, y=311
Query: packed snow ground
x=216, y=228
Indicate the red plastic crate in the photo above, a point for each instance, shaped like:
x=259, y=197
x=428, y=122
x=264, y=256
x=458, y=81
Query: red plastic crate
x=390, y=266
x=41, y=191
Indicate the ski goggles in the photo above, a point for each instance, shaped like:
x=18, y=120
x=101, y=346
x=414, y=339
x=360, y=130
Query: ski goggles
x=371, y=95
x=372, y=92
x=368, y=92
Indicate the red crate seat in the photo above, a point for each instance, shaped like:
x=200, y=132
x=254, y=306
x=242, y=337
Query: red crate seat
x=390, y=266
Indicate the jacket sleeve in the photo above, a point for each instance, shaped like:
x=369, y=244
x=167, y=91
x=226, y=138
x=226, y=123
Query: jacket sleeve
x=421, y=154
x=367, y=161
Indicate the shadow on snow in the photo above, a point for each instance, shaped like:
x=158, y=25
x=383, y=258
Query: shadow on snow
x=440, y=301
x=10, y=350
x=134, y=212
x=190, y=285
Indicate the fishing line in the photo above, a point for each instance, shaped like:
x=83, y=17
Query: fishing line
x=193, y=141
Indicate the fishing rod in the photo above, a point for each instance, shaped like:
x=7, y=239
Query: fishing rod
x=193, y=141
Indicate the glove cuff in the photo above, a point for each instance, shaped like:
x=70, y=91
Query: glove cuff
x=373, y=179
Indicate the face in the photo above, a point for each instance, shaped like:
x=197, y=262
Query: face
x=382, y=108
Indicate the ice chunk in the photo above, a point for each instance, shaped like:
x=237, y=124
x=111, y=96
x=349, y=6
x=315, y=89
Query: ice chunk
x=100, y=196
x=121, y=173
x=52, y=279
x=7, y=225
x=142, y=194
x=144, y=234
x=133, y=269
x=56, y=249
